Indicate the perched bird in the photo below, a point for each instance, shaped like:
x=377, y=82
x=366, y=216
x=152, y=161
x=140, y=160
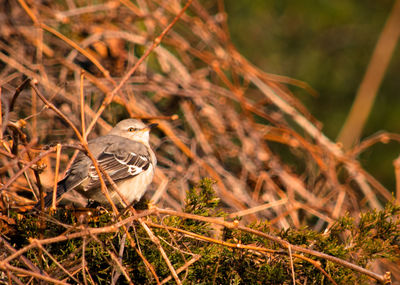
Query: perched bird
x=125, y=154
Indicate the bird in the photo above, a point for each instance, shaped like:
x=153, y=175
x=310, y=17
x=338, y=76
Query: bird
x=124, y=154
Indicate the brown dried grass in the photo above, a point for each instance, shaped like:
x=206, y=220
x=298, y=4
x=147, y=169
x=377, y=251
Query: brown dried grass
x=219, y=116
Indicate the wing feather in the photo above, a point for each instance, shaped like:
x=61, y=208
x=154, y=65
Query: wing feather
x=119, y=165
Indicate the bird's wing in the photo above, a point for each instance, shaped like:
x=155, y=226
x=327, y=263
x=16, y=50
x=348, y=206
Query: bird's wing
x=121, y=160
x=120, y=157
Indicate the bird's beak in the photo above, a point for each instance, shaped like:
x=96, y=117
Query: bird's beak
x=152, y=126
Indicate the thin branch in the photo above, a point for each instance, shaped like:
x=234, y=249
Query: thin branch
x=5, y=266
x=18, y=91
x=58, y=154
x=155, y=43
x=291, y=264
x=183, y=267
x=84, y=144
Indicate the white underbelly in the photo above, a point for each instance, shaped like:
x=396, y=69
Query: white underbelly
x=133, y=189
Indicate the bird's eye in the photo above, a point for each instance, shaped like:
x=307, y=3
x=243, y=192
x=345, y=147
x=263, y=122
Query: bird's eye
x=131, y=129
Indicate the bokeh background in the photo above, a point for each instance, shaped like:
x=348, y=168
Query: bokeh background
x=327, y=44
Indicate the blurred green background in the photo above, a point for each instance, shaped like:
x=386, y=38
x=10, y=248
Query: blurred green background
x=327, y=44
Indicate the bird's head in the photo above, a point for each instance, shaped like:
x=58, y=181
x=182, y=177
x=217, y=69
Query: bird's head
x=133, y=129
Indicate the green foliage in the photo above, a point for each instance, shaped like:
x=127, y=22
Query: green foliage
x=375, y=235
x=201, y=199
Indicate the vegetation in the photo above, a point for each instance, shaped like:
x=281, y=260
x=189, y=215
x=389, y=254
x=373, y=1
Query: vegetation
x=283, y=203
x=207, y=252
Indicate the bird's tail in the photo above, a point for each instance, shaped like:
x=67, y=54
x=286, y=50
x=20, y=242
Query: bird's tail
x=61, y=189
